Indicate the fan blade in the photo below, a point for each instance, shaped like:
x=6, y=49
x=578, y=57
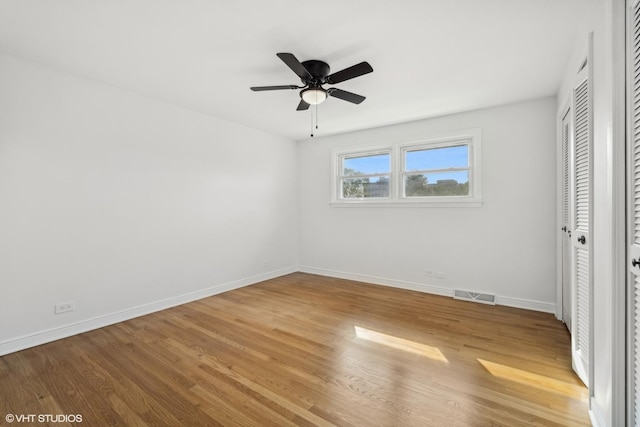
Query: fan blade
x=345, y=96
x=295, y=65
x=302, y=106
x=349, y=73
x=261, y=88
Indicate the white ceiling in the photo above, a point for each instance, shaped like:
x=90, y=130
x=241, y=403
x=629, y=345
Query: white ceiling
x=430, y=57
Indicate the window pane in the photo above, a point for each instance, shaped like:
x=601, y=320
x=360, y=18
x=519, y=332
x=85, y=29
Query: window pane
x=437, y=158
x=366, y=165
x=437, y=184
x=359, y=188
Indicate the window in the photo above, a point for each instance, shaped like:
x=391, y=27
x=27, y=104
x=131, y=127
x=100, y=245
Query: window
x=365, y=175
x=436, y=171
x=443, y=170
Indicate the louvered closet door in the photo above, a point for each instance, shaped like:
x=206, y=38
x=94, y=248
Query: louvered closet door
x=633, y=214
x=580, y=239
x=567, y=289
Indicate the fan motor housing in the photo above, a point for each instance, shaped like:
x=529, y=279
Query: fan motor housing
x=318, y=69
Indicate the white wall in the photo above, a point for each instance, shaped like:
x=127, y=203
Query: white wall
x=506, y=247
x=127, y=205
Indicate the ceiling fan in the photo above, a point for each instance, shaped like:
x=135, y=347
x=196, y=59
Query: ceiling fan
x=314, y=74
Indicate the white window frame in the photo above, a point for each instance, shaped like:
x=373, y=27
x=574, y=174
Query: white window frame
x=338, y=175
x=471, y=137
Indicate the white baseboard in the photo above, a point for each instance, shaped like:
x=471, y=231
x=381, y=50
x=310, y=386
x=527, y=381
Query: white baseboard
x=545, y=307
x=48, y=335
x=597, y=420
x=420, y=287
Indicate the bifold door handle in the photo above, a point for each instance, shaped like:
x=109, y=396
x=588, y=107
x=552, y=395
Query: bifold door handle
x=582, y=240
x=635, y=262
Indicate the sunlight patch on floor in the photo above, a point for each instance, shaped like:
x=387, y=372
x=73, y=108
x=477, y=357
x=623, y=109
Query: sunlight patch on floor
x=400, y=343
x=575, y=391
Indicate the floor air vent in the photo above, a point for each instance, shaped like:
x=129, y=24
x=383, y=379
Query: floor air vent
x=475, y=297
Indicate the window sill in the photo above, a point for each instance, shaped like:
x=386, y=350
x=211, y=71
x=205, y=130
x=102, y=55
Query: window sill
x=468, y=203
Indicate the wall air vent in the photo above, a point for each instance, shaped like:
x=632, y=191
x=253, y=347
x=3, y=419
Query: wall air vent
x=474, y=297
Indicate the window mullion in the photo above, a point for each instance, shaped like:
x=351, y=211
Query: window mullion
x=373, y=175
x=425, y=171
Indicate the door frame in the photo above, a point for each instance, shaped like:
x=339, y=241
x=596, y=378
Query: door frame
x=565, y=108
x=623, y=282
x=617, y=48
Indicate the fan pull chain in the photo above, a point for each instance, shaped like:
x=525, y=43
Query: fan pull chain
x=316, y=117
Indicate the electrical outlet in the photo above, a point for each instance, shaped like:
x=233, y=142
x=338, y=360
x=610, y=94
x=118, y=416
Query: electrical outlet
x=440, y=275
x=64, y=307
x=428, y=273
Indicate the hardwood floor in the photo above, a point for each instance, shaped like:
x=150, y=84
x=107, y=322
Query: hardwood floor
x=309, y=351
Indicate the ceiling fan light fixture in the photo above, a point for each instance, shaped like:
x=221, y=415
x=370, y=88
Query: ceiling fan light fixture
x=313, y=74
x=313, y=95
